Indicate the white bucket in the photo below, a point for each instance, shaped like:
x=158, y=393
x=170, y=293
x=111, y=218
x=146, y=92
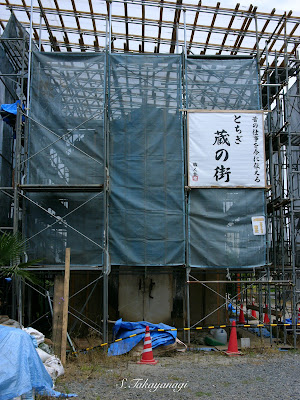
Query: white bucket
x=220, y=335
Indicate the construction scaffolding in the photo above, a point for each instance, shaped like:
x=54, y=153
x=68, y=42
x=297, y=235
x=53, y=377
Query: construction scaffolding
x=98, y=163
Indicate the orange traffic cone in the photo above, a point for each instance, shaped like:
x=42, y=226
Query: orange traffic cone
x=241, y=316
x=266, y=317
x=232, y=345
x=253, y=312
x=147, y=356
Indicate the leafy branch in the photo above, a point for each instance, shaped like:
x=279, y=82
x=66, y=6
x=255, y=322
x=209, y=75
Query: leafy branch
x=12, y=249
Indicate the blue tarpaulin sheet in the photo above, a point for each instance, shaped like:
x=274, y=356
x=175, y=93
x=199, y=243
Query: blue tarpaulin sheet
x=124, y=329
x=21, y=367
x=264, y=331
x=231, y=308
x=11, y=109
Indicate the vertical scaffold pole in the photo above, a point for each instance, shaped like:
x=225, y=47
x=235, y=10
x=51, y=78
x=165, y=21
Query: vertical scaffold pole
x=258, y=60
x=290, y=191
x=177, y=32
x=40, y=33
x=188, y=311
x=106, y=34
x=18, y=282
x=186, y=197
x=270, y=132
x=184, y=19
x=106, y=261
x=109, y=28
x=29, y=58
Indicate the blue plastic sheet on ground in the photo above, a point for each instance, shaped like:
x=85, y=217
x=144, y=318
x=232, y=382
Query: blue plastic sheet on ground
x=201, y=349
x=124, y=329
x=265, y=331
x=11, y=110
x=21, y=367
x=231, y=308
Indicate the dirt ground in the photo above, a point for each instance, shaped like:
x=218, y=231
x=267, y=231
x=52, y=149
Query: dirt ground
x=257, y=374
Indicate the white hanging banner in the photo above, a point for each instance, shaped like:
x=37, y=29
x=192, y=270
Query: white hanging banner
x=226, y=149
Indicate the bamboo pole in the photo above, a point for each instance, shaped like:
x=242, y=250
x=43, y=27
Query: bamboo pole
x=65, y=307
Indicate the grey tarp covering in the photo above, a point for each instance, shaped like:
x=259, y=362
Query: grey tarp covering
x=66, y=148
x=220, y=228
x=6, y=146
x=17, y=38
x=220, y=219
x=222, y=84
x=146, y=161
x=83, y=235
x=294, y=119
x=294, y=108
x=9, y=92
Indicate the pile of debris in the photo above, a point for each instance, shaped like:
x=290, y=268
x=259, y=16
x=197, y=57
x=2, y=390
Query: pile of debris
x=29, y=365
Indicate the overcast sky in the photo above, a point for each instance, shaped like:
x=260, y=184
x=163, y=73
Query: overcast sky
x=263, y=5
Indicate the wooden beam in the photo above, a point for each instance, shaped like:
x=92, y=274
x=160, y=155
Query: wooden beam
x=135, y=19
x=176, y=21
x=211, y=28
x=189, y=7
x=159, y=25
x=279, y=31
x=57, y=313
x=65, y=306
x=264, y=27
x=80, y=40
x=67, y=43
x=81, y=44
x=194, y=28
x=242, y=36
x=242, y=31
x=96, y=43
x=143, y=28
x=229, y=27
x=232, y=31
x=51, y=38
x=66, y=39
x=283, y=46
x=199, y=45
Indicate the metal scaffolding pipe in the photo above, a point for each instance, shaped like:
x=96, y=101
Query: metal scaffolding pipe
x=275, y=282
x=109, y=27
x=40, y=33
x=29, y=59
x=290, y=192
x=184, y=21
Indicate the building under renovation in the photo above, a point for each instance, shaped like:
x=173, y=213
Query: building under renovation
x=159, y=141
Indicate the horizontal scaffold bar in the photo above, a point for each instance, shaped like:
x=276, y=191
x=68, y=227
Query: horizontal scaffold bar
x=248, y=282
x=61, y=188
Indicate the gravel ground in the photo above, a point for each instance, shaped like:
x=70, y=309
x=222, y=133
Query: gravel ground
x=190, y=375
